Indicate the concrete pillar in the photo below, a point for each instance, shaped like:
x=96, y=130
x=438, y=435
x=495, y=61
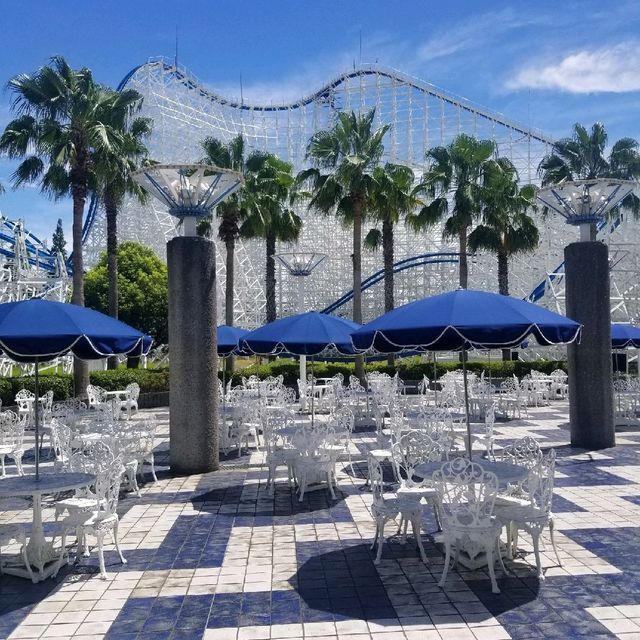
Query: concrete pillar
x=193, y=355
x=590, y=371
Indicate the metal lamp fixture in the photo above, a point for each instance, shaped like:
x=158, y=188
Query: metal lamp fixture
x=585, y=202
x=189, y=191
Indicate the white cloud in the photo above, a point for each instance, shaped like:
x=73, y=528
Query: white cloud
x=613, y=69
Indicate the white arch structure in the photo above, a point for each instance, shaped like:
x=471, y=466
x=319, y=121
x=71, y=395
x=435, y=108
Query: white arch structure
x=422, y=116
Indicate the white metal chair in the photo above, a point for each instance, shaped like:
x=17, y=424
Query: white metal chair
x=11, y=440
x=467, y=494
x=25, y=402
x=414, y=448
x=18, y=534
x=486, y=438
x=130, y=403
x=101, y=519
x=96, y=396
x=343, y=420
x=314, y=463
x=385, y=508
x=278, y=453
x=533, y=514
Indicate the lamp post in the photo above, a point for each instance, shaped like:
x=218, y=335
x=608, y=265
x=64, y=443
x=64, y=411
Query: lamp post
x=190, y=192
x=300, y=265
x=587, y=285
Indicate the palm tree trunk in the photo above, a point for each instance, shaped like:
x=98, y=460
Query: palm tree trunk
x=79, y=195
x=464, y=266
x=111, y=212
x=357, y=278
x=270, y=276
x=230, y=246
x=503, y=288
x=388, y=258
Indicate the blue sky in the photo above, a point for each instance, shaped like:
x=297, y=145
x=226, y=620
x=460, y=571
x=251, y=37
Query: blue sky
x=547, y=65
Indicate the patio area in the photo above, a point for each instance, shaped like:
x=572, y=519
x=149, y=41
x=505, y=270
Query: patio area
x=216, y=556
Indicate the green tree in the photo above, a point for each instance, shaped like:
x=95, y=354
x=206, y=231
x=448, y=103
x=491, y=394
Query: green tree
x=231, y=213
x=58, y=243
x=393, y=199
x=269, y=196
x=62, y=121
x=114, y=169
x=342, y=182
x=583, y=157
x=453, y=181
x=505, y=228
x=142, y=289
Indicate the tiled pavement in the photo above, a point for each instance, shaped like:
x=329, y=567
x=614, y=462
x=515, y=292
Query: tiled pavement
x=215, y=556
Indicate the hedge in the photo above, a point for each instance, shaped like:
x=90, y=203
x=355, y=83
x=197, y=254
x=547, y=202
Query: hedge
x=62, y=384
x=413, y=368
x=153, y=380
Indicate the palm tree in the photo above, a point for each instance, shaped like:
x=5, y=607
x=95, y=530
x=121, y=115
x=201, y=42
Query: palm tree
x=582, y=157
x=231, y=212
x=392, y=199
x=61, y=124
x=349, y=153
x=114, y=169
x=506, y=228
x=269, y=193
x=455, y=173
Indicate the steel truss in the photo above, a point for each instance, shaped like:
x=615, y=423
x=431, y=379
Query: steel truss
x=421, y=115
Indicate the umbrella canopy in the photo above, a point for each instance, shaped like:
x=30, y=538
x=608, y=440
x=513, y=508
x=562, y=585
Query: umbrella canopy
x=37, y=329
x=305, y=334
x=229, y=338
x=625, y=335
x=464, y=319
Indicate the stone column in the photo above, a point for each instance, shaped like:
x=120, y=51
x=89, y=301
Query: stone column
x=590, y=371
x=193, y=355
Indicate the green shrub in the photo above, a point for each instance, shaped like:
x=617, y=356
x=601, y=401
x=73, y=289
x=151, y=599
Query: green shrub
x=60, y=384
x=150, y=380
x=413, y=368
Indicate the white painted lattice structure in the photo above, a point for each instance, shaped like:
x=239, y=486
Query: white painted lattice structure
x=28, y=269
x=421, y=115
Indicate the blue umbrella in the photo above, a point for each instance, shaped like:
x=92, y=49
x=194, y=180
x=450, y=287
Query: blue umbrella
x=465, y=319
x=461, y=320
x=38, y=330
x=624, y=335
x=229, y=338
x=305, y=334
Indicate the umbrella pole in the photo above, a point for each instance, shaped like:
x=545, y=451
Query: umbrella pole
x=37, y=406
x=435, y=380
x=466, y=399
x=313, y=393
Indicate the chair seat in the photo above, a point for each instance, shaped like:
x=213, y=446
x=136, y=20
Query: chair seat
x=511, y=501
x=416, y=492
x=525, y=513
x=393, y=506
x=7, y=449
x=77, y=504
x=380, y=454
x=89, y=519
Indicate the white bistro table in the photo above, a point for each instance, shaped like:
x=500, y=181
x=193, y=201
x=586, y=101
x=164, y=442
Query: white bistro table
x=469, y=554
x=505, y=472
x=39, y=551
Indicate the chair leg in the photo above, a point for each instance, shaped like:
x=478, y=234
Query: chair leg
x=405, y=526
x=492, y=571
x=152, y=462
x=4, y=473
x=504, y=568
x=415, y=525
x=447, y=560
x=330, y=483
x=100, y=540
x=63, y=540
x=375, y=537
x=117, y=543
x=380, y=541
x=553, y=541
x=25, y=559
x=18, y=461
x=535, y=535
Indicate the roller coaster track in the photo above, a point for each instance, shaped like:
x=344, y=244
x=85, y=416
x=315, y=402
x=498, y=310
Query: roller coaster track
x=401, y=265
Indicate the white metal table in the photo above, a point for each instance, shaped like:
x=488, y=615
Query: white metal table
x=505, y=472
x=39, y=551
